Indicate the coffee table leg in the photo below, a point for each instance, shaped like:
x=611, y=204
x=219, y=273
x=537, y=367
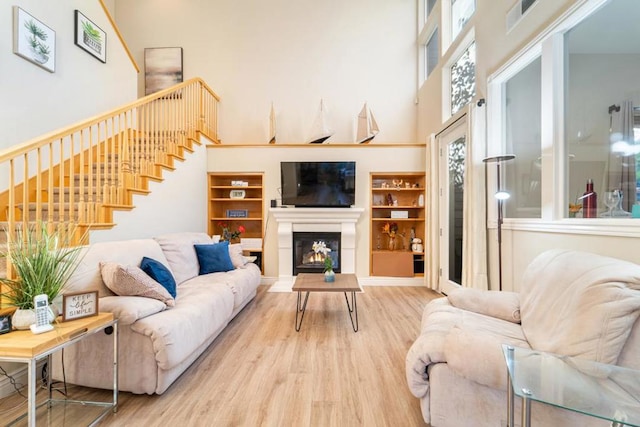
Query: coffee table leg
x=353, y=309
x=300, y=308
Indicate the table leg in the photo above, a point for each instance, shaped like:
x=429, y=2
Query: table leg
x=526, y=412
x=31, y=401
x=301, y=308
x=115, y=367
x=510, y=416
x=353, y=309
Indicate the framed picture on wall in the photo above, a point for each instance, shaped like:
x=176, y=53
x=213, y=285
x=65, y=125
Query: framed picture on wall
x=90, y=37
x=33, y=40
x=162, y=68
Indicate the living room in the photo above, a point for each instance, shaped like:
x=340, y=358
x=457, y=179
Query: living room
x=341, y=53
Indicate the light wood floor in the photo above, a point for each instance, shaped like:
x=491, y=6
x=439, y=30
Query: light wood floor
x=261, y=372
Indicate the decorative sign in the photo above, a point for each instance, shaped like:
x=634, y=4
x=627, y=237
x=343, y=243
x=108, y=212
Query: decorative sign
x=237, y=194
x=79, y=305
x=237, y=213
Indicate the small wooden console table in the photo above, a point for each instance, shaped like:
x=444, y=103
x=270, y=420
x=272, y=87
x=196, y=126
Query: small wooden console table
x=26, y=347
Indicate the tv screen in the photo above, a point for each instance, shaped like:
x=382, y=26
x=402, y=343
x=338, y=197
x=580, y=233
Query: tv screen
x=318, y=184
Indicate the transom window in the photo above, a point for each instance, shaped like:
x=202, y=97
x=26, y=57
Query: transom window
x=461, y=11
x=463, y=79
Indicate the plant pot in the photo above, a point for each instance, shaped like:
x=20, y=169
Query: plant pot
x=23, y=318
x=329, y=276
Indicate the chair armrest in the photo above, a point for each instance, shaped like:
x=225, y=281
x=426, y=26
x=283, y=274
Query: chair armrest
x=500, y=304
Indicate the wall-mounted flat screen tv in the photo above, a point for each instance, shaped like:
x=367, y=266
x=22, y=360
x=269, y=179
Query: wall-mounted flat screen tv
x=318, y=184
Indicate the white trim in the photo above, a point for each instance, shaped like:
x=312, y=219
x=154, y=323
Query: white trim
x=623, y=227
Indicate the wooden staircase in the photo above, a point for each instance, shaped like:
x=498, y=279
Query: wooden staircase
x=80, y=175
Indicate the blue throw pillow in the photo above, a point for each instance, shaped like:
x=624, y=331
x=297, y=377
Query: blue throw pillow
x=214, y=258
x=161, y=274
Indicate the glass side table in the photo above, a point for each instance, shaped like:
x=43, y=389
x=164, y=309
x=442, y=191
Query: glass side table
x=598, y=390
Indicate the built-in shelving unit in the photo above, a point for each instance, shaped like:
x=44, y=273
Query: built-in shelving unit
x=237, y=199
x=397, y=198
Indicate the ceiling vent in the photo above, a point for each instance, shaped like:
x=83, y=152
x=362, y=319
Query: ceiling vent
x=517, y=11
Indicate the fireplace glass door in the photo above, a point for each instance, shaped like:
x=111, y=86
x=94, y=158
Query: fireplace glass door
x=306, y=260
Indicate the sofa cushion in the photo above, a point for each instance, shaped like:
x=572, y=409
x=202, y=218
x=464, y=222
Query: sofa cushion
x=87, y=276
x=160, y=273
x=200, y=312
x=579, y=304
x=501, y=304
x=214, y=258
x=129, y=309
x=243, y=282
x=180, y=253
x=130, y=280
x=237, y=258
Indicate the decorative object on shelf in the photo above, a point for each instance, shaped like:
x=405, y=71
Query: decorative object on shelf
x=162, y=68
x=416, y=245
x=237, y=213
x=391, y=229
x=237, y=194
x=33, y=40
x=79, y=305
x=389, y=199
x=589, y=201
x=5, y=324
x=90, y=37
x=239, y=184
x=421, y=200
x=320, y=131
x=367, y=126
x=43, y=260
x=574, y=208
x=229, y=235
x=397, y=183
x=400, y=214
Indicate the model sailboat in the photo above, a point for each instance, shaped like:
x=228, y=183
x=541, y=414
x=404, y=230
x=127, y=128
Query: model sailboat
x=367, y=126
x=272, y=126
x=320, y=132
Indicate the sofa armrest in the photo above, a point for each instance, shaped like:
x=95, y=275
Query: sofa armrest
x=128, y=309
x=502, y=305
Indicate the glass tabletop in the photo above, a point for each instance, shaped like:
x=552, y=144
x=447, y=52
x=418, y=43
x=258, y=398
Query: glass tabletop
x=605, y=391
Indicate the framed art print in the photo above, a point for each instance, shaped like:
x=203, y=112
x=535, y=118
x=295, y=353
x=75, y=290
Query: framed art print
x=162, y=68
x=33, y=40
x=90, y=37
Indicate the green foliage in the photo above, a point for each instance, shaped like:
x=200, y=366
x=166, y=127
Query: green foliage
x=43, y=261
x=91, y=32
x=36, y=31
x=328, y=263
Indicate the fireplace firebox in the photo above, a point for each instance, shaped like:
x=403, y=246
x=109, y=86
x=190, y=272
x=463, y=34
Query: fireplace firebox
x=306, y=260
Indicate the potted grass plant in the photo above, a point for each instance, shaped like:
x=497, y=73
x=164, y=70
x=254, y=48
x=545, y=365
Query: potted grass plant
x=43, y=260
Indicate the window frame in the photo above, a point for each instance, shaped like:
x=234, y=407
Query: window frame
x=549, y=45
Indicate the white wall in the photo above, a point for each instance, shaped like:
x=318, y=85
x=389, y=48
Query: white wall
x=292, y=54
x=368, y=158
x=35, y=101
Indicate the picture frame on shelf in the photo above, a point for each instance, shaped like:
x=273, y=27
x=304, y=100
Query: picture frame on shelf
x=5, y=324
x=79, y=305
x=89, y=37
x=33, y=40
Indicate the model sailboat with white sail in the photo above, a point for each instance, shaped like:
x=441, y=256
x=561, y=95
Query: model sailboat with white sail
x=320, y=132
x=272, y=126
x=367, y=126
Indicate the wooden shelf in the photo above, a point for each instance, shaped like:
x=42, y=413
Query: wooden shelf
x=219, y=184
x=402, y=262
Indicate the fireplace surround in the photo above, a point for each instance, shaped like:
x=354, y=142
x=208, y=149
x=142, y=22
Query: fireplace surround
x=336, y=220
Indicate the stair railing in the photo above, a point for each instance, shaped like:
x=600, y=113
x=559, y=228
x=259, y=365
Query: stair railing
x=77, y=175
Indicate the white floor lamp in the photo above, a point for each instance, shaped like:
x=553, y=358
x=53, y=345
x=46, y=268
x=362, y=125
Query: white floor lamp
x=500, y=195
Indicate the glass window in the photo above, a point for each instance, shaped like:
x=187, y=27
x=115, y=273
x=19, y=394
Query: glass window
x=430, y=4
x=522, y=176
x=602, y=96
x=432, y=54
x=461, y=11
x=463, y=79
x=526, y=4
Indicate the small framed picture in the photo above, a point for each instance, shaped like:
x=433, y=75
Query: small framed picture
x=5, y=324
x=79, y=305
x=237, y=194
x=33, y=40
x=90, y=37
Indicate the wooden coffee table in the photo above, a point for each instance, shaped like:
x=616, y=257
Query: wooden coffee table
x=314, y=282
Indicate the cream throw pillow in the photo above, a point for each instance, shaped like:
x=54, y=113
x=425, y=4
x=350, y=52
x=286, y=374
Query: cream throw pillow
x=237, y=259
x=130, y=280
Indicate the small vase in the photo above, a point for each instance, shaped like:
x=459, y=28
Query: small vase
x=329, y=276
x=392, y=243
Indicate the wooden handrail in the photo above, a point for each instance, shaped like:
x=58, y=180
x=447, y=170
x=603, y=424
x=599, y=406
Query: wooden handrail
x=79, y=174
x=119, y=34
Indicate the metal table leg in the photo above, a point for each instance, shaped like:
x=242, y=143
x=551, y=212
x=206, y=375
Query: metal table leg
x=353, y=309
x=526, y=409
x=300, y=309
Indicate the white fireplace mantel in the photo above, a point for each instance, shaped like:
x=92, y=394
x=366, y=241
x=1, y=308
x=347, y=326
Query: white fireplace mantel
x=342, y=220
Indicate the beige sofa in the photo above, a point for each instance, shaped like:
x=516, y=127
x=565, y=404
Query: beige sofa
x=156, y=343
x=571, y=303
